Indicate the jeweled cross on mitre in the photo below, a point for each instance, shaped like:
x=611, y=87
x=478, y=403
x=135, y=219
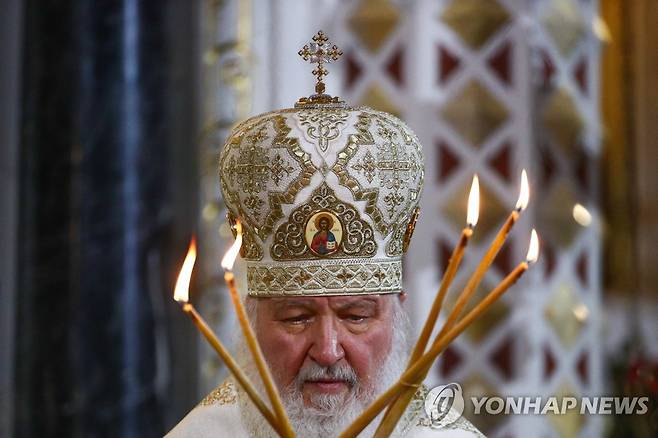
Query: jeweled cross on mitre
x=320, y=51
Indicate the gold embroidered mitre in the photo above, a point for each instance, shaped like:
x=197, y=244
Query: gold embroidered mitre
x=327, y=194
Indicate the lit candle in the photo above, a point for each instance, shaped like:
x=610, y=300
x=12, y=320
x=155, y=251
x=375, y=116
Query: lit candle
x=455, y=260
x=502, y=287
x=396, y=409
x=489, y=256
x=250, y=337
x=416, y=373
x=181, y=294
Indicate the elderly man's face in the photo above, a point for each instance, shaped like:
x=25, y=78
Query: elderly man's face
x=296, y=333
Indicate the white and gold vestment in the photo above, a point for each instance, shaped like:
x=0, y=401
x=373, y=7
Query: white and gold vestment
x=218, y=415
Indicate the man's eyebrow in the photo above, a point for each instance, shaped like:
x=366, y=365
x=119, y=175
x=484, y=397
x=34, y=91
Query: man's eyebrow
x=291, y=302
x=367, y=302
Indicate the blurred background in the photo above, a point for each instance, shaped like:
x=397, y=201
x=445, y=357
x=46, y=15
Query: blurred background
x=112, y=115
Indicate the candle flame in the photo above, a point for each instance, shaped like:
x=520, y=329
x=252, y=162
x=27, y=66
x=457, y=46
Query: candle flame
x=232, y=253
x=182, y=289
x=524, y=193
x=473, y=203
x=533, y=248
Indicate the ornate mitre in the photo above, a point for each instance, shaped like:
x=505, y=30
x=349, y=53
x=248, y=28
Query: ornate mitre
x=327, y=194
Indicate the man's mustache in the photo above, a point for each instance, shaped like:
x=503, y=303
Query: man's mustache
x=314, y=372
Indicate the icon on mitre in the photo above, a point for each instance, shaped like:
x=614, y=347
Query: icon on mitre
x=324, y=233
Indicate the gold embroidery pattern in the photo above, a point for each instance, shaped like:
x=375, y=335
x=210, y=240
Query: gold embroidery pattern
x=367, y=166
x=395, y=166
x=290, y=244
x=323, y=125
x=329, y=277
x=224, y=394
x=361, y=138
x=395, y=246
x=252, y=159
x=388, y=181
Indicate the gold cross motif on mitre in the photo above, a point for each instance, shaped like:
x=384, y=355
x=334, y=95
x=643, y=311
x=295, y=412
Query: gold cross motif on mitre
x=320, y=51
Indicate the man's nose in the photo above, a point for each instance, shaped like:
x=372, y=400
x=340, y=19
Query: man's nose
x=326, y=349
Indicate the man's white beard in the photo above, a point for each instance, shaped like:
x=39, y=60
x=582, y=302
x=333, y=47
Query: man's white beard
x=330, y=413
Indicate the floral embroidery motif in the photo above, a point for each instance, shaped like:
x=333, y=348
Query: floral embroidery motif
x=323, y=125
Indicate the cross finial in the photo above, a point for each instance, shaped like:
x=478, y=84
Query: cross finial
x=320, y=51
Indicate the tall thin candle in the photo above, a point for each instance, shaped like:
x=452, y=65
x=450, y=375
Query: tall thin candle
x=451, y=270
x=250, y=337
x=489, y=256
x=472, y=216
x=232, y=365
x=397, y=408
x=181, y=294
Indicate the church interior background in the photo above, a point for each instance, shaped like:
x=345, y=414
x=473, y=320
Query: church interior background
x=113, y=119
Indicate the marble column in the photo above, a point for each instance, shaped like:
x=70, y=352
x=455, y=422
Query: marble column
x=107, y=202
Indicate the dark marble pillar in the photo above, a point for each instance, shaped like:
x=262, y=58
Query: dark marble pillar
x=107, y=201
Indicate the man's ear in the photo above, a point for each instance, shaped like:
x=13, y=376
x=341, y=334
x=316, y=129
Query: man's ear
x=402, y=296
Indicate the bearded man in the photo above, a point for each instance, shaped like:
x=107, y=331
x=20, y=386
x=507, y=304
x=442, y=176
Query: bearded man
x=330, y=357
x=331, y=324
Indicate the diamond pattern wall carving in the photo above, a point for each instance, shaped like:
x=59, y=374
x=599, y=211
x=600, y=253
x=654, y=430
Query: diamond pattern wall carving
x=376, y=97
x=555, y=220
x=565, y=24
x=563, y=316
x=474, y=113
x=373, y=21
x=475, y=21
x=563, y=121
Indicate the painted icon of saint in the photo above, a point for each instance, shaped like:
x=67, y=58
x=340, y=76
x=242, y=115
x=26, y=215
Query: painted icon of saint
x=324, y=242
